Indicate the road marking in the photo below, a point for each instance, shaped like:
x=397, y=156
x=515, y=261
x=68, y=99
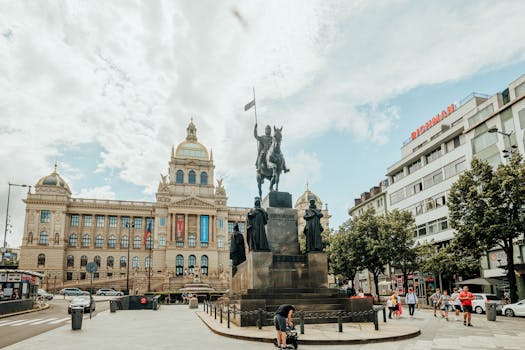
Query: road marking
x=43, y=321
x=24, y=322
x=4, y=321
x=11, y=322
x=58, y=321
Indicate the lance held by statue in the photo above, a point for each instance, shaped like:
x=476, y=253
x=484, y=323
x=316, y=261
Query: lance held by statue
x=313, y=228
x=255, y=230
x=237, y=250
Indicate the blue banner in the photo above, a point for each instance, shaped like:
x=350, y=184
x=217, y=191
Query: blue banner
x=204, y=229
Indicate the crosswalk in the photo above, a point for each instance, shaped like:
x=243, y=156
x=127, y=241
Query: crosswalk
x=33, y=321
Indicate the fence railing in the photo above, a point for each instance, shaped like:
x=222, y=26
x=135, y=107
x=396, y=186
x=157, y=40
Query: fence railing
x=227, y=311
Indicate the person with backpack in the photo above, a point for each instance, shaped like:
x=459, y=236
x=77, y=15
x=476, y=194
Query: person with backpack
x=411, y=301
x=436, y=298
x=454, y=299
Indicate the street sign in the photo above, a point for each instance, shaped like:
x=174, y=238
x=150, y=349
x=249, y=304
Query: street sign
x=91, y=267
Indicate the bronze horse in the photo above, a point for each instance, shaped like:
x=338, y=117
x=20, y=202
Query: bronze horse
x=274, y=163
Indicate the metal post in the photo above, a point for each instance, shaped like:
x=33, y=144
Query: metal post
x=215, y=311
x=376, y=321
x=384, y=314
x=228, y=318
x=129, y=225
x=4, y=247
x=55, y=285
x=90, y=295
x=339, y=322
x=221, y=313
x=259, y=319
x=301, y=321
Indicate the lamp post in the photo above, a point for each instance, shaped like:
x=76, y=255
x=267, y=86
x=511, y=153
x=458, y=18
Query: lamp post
x=129, y=225
x=512, y=148
x=4, y=247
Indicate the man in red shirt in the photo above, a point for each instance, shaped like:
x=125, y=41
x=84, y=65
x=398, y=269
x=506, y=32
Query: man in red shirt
x=466, y=298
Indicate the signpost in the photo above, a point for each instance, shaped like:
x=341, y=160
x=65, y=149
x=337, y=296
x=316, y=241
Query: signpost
x=91, y=267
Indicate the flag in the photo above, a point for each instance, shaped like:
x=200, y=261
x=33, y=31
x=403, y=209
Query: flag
x=148, y=233
x=249, y=105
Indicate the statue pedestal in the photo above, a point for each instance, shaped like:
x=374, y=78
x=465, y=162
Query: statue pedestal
x=281, y=231
x=317, y=269
x=277, y=200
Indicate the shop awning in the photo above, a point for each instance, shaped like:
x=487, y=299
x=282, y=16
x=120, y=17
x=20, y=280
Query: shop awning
x=482, y=282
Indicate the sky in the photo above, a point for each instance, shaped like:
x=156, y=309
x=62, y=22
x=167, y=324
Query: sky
x=105, y=88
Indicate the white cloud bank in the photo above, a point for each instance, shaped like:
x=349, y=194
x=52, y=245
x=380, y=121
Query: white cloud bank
x=128, y=75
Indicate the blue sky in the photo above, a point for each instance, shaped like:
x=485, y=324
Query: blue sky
x=106, y=88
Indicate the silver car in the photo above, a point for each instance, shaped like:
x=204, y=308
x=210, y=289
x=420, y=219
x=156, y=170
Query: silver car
x=84, y=301
x=108, y=291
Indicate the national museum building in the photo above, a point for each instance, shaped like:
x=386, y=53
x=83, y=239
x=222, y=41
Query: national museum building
x=190, y=224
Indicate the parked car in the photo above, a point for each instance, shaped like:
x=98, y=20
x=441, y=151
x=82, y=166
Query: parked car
x=516, y=309
x=108, y=291
x=478, y=304
x=72, y=291
x=84, y=301
x=44, y=295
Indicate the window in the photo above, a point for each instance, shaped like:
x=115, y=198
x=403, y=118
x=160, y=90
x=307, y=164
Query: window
x=43, y=239
x=443, y=223
x=162, y=241
x=87, y=220
x=241, y=227
x=435, y=154
x=421, y=230
x=398, y=176
x=440, y=201
x=419, y=209
x=123, y=261
x=220, y=243
x=45, y=216
x=204, y=178
x=86, y=240
x=192, y=260
x=397, y=196
x=136, y=242
x=57, y=238
x=100, y=220
x=83, y=261
x=484, y=140
x=125, y=221
x=432, y=227
x=220, y=224
x=149, y=242
x=41, y=260
x=99, y=241
x=179, y=177
x=148, y=262
x=96, y=259
x=192, y=241
x=70, y=261
x=520, y=90
x=30, y=238
x=430, y=204
x=479, y=116
x=179, y=244
x=124, y=242
x=112, y=242
x=74, y=220
x=137, y=222
x=82, y=275
x=461, y=167
x=110, y=275
x=179, y=265
x=110, y=261
x=73, y=240
x=113, y=221
x=192, y=177
x=162, y=221
x=204, y=265
x=69, y=276
x=135, y=262
x=230, y=226
x=414, y=166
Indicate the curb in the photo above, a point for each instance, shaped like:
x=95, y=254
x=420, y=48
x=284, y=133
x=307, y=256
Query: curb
x=45, y=307
x=316, y=342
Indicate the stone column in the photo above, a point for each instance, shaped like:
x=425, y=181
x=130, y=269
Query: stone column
x=198, y=233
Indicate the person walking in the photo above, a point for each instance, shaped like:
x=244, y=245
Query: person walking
x=283, y=318
x=436, y=297
x=466, y=298
x=411, y=301
x=445, y=304
x=390, y=306
x=454, y=299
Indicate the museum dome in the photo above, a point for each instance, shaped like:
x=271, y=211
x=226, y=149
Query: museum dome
x=305, y=198
x=53, y=180
x=191, y=147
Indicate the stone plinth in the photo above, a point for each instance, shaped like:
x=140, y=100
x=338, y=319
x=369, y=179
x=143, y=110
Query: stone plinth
x=281, y=231
x=277, y=200
x=317, y=269
x=254, y=273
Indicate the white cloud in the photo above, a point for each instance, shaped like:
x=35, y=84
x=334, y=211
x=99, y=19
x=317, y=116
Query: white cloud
x=101, y=192
x=128, y=75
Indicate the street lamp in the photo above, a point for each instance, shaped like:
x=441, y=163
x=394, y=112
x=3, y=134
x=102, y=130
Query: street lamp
x=4, y=248
x=513, y=148
x=129, y=225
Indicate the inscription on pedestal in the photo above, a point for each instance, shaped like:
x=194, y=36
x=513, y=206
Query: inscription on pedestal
x=281, y=231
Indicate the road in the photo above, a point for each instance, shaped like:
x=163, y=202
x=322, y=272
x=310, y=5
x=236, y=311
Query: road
x=16, y=328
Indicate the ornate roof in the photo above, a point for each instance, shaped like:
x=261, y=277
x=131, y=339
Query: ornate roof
x=305, y=198
x=53, y=180
x=191, y=147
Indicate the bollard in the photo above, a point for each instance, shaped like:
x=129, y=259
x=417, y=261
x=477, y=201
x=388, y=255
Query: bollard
x=301, y=321
x=215, y=311
x=234, y=310
x=228, y=316
x=220, y=309
x=384, y=314
x=339, y=322
x=259, y=319
x=376, y=321
x=112, y=306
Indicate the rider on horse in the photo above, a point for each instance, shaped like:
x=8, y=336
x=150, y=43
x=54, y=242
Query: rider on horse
x=264, y=143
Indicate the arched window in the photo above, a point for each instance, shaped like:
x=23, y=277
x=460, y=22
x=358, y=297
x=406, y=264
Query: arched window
x=99, y=241
x=112, y=242
x=110, y=261
x=148, y=262
x=124, y=242
x=123, y=261
x=149, y=242
x=179, y=265
x=43, y=238
x=96, y=259
x=204, y=178
x=73, y=240
x=192, y=260
x=86, y=240
x=70, y=261
x=137, y=242
x=83, y=261
x=192, y=177
x=30, y=238
x=179, y=177
x=204, y=265
x=57, y=238
x=135, y=262
x=41, y=259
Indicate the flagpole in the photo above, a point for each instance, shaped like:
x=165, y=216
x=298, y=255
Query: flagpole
x=150, y=260
x=255, y=105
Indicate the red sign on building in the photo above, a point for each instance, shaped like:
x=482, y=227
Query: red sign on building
x=180, y=227
x=435, y=120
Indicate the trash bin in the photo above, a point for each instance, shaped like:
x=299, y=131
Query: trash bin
x=491, y=311
x=194, y=303
x=113, y=306
x=76, y=317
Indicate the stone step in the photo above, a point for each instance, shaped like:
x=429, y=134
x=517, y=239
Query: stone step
x=309, y=307
x=293, y=290
x=300, y=296
x=299, y=301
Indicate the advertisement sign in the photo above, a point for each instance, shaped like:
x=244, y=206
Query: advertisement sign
x=433, y=121
x=204, y=229
x=180, y=227
x=14, y=277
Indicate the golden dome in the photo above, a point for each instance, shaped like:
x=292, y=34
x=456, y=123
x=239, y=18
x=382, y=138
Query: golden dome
x=53, y=180
x=192, y=148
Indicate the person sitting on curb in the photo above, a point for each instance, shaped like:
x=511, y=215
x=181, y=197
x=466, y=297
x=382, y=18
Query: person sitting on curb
x=283, y=318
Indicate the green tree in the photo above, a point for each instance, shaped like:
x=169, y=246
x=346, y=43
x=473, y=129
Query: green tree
x=341, y=258
x=485, y=210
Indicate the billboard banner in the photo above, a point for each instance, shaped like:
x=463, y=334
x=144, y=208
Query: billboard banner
x=180, y=227
x=204, y=229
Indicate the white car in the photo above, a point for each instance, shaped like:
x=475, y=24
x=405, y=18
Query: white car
x=83, y=301
x=478, y=304
x=108, y=291
x=516, y=309
x=44, y=295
